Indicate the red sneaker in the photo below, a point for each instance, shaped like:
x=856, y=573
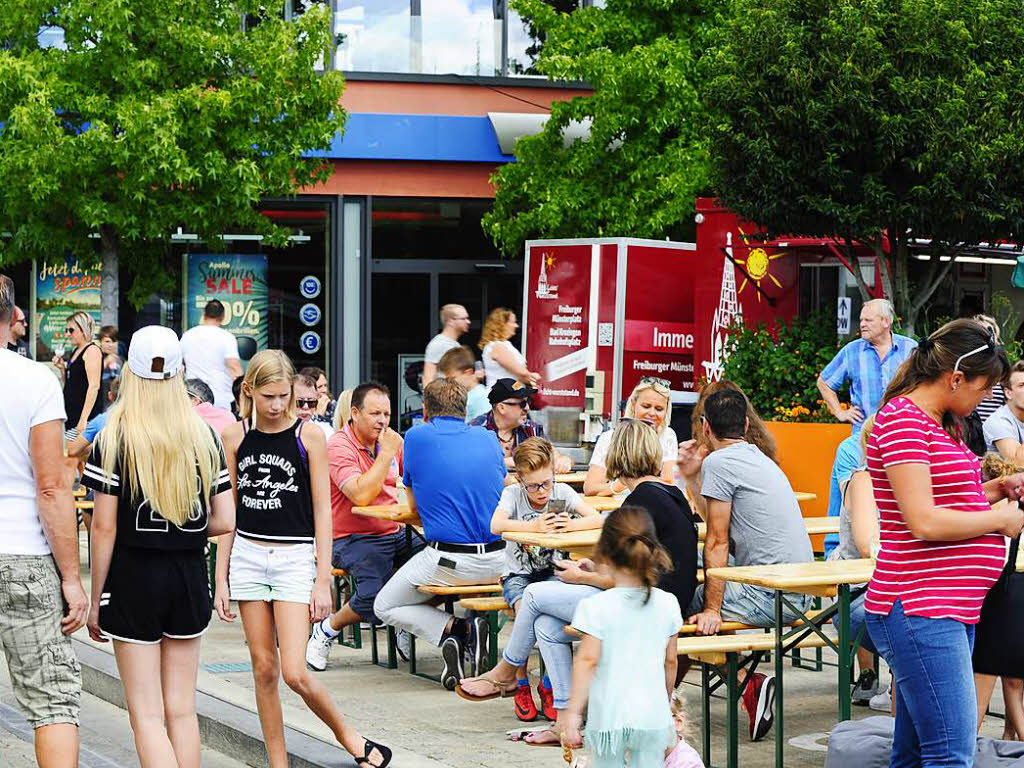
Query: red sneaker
x=526, y=710
x=547, y=702
x=759, y=701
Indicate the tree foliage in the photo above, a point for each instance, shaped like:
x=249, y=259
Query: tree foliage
x=646, y=155
x=154, y=115
x=850, y=118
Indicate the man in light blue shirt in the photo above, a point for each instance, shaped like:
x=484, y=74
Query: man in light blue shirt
x=868, y=364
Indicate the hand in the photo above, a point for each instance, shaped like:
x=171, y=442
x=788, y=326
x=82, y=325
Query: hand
x=534, y=378
x=563, y=523
x=544, y=523
x=1013, y=486
x=322, y=401
x=78, y=606
x=571, y=736
x=569, y=572
x=1013, y=520
x=93, y=623
x=563, y=464
x=390, y=441
x=708, y=622
x=690, y=458
x=320, y=602
x=222, y=602
x=59, y=362
x=586, y=565
x=852, y=415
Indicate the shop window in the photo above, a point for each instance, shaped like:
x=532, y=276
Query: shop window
x=418, y=228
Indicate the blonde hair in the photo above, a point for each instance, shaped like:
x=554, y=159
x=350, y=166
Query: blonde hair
x=659, y=389
x=682, y=720
x=865, y=433
x=532, y=454
x=634, y=451
x=85, y=322
x=991, y=323
x=266, y=367
x=161, y=443
x=448, y=312
x=494, y=326
x=343, y=409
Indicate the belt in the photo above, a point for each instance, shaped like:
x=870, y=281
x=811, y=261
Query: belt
x=476, y=549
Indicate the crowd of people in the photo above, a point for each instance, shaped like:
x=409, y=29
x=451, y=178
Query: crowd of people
x=178, y=446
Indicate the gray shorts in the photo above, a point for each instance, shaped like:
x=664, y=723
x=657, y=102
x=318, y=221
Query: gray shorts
x=45, y=673
x=750, y=605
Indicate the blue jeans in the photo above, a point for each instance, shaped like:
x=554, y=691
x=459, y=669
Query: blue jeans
x=545, y=608
x=936, y=713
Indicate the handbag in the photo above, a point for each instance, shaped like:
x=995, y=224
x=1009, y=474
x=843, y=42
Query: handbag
x=999, y=636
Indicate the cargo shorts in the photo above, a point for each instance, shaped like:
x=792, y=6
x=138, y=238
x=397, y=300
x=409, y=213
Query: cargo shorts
x=45, y=673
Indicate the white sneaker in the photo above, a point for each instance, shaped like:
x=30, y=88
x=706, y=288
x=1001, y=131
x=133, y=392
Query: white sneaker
x=403, y=644
x=882, y=701
x=318, y=649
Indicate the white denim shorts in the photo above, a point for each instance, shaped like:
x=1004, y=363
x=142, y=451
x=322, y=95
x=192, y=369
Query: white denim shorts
x=281, y=572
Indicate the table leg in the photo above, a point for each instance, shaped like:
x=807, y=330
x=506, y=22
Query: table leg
x=780, y=743
x=732, y=716
x=705, y=710
x=845, y=694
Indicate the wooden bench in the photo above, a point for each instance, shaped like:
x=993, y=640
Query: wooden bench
x=466, y=589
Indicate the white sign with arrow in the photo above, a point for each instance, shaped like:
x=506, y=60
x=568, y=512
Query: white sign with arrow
x=843, y=316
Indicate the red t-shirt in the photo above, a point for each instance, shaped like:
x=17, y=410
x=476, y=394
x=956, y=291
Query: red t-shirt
x=935, y=579
x=348, y=458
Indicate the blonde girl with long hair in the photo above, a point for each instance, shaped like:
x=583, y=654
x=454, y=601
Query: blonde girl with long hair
x=279, y=470
x=650, y=402
x=81, y=375
x=161, y=488
x=501, y=359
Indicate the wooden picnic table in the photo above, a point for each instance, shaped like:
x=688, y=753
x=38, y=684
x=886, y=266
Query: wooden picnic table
x=822, y=578
x=400, y=513
x=571, y=478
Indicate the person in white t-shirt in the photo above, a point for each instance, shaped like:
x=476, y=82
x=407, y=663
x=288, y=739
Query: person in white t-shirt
x=650, y=401
x=454, y=323
x=501, y=359
x=38, y=551
x=211, y=354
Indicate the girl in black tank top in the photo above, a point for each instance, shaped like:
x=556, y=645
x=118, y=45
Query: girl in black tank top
x=279, y=470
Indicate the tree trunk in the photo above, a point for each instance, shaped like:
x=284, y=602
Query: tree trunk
x=110, y=287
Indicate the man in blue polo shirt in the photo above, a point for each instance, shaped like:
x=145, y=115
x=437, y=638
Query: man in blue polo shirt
x=868, y=363
x=454, y=475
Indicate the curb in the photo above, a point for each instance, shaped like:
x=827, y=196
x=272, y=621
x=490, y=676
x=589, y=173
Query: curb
x=224, y=727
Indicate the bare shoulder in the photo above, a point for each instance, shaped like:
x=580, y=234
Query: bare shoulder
x=312, y=435
x=232, y=435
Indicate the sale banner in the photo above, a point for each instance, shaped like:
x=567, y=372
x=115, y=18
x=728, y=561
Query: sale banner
x=62, y=288
x=239, y=282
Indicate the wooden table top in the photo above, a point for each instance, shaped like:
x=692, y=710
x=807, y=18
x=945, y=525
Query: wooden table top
x=400, y=513
x=799, y=577
x=815, y=526
x=571, y=478
x=804, y=496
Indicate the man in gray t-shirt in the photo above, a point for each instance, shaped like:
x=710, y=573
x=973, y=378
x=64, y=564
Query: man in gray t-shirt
x=454, y=323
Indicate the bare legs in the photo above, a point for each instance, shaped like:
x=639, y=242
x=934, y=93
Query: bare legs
x=57, y=745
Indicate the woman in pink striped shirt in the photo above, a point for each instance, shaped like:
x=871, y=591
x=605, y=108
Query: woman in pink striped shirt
x=942, y=544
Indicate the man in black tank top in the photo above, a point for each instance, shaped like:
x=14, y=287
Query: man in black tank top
x=454, y=475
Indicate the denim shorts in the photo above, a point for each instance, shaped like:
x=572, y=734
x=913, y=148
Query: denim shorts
x=278, y=572
x=513, y=585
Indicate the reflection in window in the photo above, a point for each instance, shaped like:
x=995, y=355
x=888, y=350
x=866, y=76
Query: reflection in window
x=524, y=42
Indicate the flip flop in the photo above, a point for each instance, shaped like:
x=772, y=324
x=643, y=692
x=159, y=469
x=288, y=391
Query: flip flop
x=556, y=743
x=520, y=734
x=500, y=690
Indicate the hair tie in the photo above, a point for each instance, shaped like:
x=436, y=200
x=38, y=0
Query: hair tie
x=642, y=538
x=925, y=345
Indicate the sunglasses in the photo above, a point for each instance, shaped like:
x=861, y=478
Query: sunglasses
x=303, y=403
x=657, y=381
x=520, y=403
x=70, y=330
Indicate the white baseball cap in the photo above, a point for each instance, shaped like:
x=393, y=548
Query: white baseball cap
x=155, y=353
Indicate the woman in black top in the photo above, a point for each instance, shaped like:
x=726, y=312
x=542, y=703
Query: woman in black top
x=161, y=488
x=278, y=466
x=81, y=375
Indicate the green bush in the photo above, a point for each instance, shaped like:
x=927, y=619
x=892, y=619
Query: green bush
x=778, y=367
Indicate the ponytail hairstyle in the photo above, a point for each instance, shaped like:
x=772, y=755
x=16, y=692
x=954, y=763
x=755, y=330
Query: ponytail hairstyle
x=938, y=354
x=628, y=541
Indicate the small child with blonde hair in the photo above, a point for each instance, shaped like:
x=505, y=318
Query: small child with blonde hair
x=682, y=755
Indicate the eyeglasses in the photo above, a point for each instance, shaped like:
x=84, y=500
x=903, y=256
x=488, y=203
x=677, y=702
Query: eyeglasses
x=537, y=487
x=990, y=345
x=656, y=380
x=303, y=403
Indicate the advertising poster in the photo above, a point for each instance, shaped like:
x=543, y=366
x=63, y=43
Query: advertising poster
x=62, y=288
x=239, y=282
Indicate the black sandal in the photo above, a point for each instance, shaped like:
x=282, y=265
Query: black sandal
x=368, y=747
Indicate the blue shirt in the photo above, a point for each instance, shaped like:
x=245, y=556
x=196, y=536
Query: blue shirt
x=848, y=460
x=456, y=473
x=96, y=423
x=858, y=364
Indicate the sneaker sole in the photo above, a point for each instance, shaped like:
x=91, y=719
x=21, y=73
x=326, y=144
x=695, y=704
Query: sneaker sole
x=452, y=670
x=765, y=715
x=482, y=635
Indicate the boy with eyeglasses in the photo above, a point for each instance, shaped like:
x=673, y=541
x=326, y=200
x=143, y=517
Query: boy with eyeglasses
x=535, y=502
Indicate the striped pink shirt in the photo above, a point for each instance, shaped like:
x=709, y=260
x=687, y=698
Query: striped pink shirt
x=936, y=579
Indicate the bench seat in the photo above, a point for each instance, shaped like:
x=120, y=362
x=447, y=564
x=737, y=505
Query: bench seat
x=712, y=649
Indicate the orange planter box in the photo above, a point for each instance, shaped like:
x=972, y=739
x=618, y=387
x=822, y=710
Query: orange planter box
x=806, y=454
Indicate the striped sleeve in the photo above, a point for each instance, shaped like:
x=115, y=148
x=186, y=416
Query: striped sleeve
x=222, y=482
x=94, y=476
x=903, y=438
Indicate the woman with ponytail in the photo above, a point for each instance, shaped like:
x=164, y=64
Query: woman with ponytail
x=625, y=668
x=942, y=544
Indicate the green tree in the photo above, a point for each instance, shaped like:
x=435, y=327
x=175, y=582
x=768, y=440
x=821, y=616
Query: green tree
x=848, y=119
x=154, y=115
x=645, y=157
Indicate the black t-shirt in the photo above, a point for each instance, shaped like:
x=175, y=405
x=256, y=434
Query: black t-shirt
x=138, y=524
x=677, y=531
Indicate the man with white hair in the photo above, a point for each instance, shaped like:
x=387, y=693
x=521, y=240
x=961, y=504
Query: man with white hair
x=867, y=363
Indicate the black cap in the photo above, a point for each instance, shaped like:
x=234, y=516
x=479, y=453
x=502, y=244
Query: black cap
x=510, y=389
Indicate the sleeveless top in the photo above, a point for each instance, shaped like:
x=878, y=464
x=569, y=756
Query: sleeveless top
x=495, y=370
x=275, y=498
x=75, y=388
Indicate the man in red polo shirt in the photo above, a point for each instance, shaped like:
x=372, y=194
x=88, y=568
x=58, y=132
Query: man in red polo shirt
x=366, y=460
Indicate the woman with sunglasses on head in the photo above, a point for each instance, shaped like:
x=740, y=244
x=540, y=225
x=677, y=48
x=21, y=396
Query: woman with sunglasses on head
x=82, y=375
x=942, y=544
x=650, y=402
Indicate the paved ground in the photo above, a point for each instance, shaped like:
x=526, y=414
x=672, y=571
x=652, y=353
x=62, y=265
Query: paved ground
x=431, y=728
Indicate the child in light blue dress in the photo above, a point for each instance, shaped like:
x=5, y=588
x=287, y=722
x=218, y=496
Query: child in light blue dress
x=625, y=668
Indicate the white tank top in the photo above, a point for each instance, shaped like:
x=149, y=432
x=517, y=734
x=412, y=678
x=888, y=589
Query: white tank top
x=494, y=370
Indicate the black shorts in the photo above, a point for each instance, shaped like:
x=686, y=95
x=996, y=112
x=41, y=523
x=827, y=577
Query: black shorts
x=151, y=594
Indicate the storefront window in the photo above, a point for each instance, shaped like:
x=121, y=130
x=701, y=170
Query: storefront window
x=419, y=228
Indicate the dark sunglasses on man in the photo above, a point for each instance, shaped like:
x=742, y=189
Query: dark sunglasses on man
x=304, y=403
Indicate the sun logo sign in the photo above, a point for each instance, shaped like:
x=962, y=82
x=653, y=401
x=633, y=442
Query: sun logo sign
x=757, y=266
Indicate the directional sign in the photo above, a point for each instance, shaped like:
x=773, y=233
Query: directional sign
x=843, y=313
